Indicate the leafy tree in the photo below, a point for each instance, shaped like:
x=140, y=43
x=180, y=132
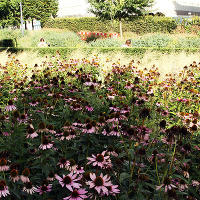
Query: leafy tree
x=119, y=9
x=9, y=12
x=38, y=9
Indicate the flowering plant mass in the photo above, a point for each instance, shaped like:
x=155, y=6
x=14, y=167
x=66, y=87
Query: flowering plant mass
x=69, y=131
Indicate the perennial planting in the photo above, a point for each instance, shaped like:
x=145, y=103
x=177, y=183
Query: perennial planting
x=71, y=130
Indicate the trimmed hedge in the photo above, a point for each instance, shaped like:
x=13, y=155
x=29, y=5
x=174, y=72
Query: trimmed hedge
x=138, y=25
x=67, y=51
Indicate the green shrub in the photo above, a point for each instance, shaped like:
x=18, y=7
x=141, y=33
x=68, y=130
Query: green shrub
x=8, y=35
x=159, y=40
x=57, y=39
x=66, y=51
x=108, y=42
x=189, y=42
x=139, y=25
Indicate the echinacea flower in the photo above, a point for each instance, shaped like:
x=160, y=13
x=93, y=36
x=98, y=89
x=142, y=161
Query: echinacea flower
x=3, y=165
x=113, y=190
x=29, y=188
x=63, y=163
x=99, y=183
x=44, y=189
x=24, y=177
x=77, y=194
x=14, y=175
x=10, y=106
x=31, y=133
x=166, y=184
x=3, y=189
x=100, y=160
x=68, y=181
x=46, y=143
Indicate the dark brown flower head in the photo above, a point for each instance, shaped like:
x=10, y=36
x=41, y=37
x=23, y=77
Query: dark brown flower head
x=14, y=173
x=26, y=172
x=2, y=185
x=142, y=151
x=72, y=162
x=193, y=128
x=163, y=124
x=75, y=194
x=144, y=113
x=3, y=162
x=45, y=140
x=42, y=125
x=67, y=180
x=131, y=131
x=63, y=160
x=16, y=114
x=10, y=102
x=88, y=126
x=187, y=147
x=137, y=80
x=28, y=185
x=167, y=181
x=98, y=181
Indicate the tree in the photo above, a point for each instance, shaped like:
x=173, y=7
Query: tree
x=38, y=9
x=119, y=9
x=9, y=12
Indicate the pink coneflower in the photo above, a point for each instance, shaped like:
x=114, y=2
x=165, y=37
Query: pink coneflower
x=89, y=128
x=182, y=185
x=14, y=175
x=31, y=133
x=68, y=135
x=3, y=189
x=113, y=190
x=10, y=106
x=79, y=170
x=77, y=194
x=24, y=177
x=44, y=189
x=89, y=108
x=99, y=183
x=29, y=188
x=63, y=163
x=46, y=144
x=166, y=184
x=33, y=103
x=68, y=181
x=100, y=160
x=72, y=165
x=51, y=177
x=3, y=165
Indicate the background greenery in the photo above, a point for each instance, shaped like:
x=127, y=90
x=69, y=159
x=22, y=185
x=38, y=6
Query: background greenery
x=139, y=25
x=40, y=10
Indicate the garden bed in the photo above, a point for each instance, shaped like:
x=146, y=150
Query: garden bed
x=70, y=129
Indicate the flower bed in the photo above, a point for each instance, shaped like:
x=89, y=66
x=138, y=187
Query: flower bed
x=71, y=130
x=84, y=35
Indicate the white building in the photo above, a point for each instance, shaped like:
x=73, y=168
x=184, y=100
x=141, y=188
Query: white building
x=174, y=8
x=171, y=8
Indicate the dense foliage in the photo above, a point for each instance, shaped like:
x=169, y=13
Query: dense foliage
x=40, y=9
x=119, y=9
x=70, y=129
x=138, y=25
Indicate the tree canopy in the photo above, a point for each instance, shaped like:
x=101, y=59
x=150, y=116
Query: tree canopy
x=40, y=9
x=119, y=9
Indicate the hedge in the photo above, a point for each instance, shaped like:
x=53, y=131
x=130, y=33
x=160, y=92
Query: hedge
x=140, y=25
x=67, y=51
